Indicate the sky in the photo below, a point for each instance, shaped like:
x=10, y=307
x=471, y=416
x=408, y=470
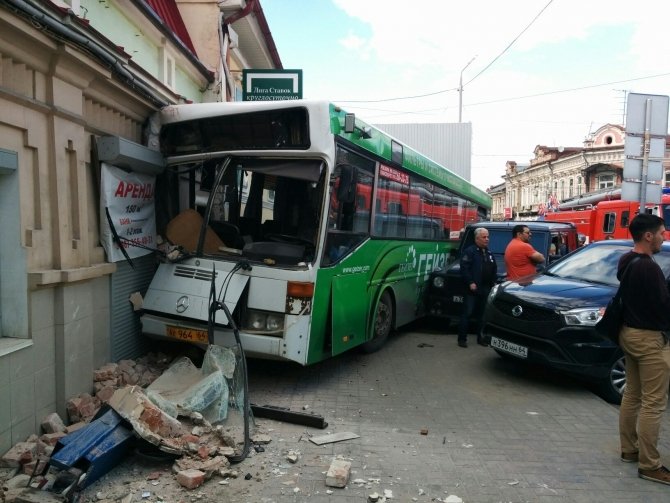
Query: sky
x=545, y=72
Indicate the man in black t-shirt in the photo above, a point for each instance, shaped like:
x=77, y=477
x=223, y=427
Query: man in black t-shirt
x=646, y=302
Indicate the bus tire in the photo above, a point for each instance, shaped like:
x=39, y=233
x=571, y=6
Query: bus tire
x=382, y=326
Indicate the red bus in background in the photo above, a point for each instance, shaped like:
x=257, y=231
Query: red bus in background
x=610, y=219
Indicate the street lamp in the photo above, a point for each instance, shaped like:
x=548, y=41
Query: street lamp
x=460, y=91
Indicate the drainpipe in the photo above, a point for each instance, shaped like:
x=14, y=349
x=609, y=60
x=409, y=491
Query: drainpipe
x=38, y=17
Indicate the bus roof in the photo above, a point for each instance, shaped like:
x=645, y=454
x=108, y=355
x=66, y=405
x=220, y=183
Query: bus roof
x=376, y=141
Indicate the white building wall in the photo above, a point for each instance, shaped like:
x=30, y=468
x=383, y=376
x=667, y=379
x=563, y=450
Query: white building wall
x=447, y=144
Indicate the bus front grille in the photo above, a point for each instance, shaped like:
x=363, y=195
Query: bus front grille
x=193, y=273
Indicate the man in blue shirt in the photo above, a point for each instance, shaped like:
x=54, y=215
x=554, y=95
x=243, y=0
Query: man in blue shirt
x=479, y=272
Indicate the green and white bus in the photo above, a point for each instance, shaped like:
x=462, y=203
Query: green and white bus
x=320, y=230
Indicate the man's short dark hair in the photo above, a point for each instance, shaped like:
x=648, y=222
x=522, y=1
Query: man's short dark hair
x=518, y=229
x=644, y=222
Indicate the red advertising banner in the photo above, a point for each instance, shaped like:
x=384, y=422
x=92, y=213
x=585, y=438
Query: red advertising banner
x=508, y=213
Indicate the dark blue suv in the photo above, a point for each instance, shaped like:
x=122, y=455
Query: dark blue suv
x=549, y=319
x=444, y=297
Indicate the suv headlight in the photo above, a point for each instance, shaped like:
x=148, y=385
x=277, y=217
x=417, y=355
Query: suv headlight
x=587, y=317
x=493, y=292
x=438, y=282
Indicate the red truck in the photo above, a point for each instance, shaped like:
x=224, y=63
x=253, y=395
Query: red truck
x=609, y=219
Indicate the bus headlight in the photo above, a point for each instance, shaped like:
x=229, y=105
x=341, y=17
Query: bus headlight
x=262, y=322
x=438, y=282
x=274, y=322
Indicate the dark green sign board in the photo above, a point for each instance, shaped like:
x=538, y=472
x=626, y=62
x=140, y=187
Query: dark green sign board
x=271, y=85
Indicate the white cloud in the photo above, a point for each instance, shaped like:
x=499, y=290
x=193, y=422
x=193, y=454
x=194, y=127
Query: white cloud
x=421, y=47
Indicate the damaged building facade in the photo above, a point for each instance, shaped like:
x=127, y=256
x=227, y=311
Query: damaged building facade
x=71, y=73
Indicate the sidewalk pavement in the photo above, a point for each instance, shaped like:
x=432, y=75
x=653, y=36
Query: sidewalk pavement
x=435, y=422
x=495, y=431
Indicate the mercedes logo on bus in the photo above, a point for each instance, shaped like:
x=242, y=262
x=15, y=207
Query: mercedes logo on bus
x=517, y=311
x=182, y=304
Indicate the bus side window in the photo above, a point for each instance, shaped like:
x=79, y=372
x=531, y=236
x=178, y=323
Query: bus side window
x=625, y=217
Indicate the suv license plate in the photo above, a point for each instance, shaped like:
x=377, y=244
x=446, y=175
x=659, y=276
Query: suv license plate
x=509, y=347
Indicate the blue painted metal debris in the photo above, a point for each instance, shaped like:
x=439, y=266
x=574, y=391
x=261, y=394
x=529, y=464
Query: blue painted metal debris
x=94, y=449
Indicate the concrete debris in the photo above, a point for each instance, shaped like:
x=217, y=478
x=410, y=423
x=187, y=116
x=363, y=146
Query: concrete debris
x=373, y=498
x=208, y=466
x=452, y=498
x=338, y=473
x=184, y=389
x=261, y=438
x=334, y=437
x=53, y=424
x=293, y=456
x=190, y=479
x=82, y=408
x=148, y=421
x=196, y=399
x=20, y=454
x=20, y=480
x=388, y=494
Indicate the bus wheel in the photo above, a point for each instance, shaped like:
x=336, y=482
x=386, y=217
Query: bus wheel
x=383, y=324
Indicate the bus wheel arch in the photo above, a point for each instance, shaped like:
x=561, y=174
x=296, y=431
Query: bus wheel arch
x=383, y=322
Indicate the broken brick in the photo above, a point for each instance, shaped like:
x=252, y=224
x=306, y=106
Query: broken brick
x=190, y=479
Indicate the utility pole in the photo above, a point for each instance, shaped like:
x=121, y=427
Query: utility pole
x=460, y=91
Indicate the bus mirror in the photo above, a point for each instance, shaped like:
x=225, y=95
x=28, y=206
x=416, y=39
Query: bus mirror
x=345, y=191
x=349, y=123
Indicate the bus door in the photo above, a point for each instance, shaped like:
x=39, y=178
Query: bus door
x=350, y=299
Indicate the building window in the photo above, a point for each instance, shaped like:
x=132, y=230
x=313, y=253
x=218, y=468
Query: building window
x=167, y=68
x=571, y=187
x=667, y=178
x=13, y=274
x=605, y=181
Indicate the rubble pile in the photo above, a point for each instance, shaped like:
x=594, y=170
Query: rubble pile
x=172, y=416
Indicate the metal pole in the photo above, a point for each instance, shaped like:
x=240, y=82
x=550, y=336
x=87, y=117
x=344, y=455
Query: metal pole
x=645, y=154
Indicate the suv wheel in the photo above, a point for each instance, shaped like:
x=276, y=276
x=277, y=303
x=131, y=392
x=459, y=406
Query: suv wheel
x=611, y=388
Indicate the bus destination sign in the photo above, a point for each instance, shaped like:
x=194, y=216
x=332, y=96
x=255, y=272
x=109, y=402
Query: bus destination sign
x=271, y=85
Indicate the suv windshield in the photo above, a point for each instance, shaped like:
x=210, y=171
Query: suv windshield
x=598, y=264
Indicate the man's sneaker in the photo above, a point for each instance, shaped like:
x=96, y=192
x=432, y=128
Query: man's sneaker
x=463, y=344
x=661, y=475
x=629, y=457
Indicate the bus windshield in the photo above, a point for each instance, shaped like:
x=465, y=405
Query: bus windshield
x=260, y=209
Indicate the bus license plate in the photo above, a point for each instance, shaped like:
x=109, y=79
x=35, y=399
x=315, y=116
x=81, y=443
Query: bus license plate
x=187, y=334
x=457, y=299
x=509, y=347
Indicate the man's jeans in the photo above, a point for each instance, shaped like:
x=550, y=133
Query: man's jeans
x=473, y=307
x=646, y=393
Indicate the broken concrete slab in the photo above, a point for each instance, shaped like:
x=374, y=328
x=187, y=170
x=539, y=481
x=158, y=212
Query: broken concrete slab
x=148, y=421
x=184, y=389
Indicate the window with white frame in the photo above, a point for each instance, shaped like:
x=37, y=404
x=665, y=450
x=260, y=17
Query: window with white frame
x=166, y=67
x=571, y=187
x=605, y=180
